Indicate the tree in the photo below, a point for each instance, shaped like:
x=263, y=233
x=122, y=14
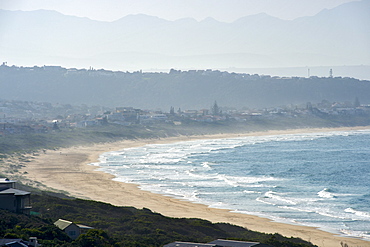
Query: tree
x=172, y=110
x=309, y=106
x=105, y=120
x=357, y=102
x=94, y=238
x=55, y=126
x=215, y=110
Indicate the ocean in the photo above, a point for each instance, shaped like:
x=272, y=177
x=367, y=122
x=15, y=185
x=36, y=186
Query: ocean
x=316, y=179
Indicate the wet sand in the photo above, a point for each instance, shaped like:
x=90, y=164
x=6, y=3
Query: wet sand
x=67, y=170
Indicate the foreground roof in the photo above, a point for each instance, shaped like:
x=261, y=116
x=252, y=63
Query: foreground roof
x=9, y=240
x=233, y=243
x=188, y=244
x=13, y=242
x=217, y=243
x=6, y=181
x=14, y=192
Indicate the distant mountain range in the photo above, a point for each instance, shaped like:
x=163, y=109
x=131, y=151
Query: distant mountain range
x=335, y=37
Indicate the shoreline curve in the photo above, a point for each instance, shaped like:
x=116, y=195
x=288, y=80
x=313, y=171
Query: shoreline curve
x=68, y=170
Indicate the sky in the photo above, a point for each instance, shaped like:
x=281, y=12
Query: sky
x=221, y=10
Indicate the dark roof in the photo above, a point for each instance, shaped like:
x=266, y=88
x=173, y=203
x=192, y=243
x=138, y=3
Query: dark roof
x=187, y=244
x=233, y=243
x=17, y=242
x=6, y=181
x=14, y=192
x=8, y=240
x=263, y=245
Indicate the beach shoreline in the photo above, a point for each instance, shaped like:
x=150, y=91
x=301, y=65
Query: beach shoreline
x=68, y=170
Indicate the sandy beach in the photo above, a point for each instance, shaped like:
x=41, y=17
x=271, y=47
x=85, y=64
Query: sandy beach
x=67, y=170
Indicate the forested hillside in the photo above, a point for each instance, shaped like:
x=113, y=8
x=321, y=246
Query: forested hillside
x=185, y=90
x=121, y=226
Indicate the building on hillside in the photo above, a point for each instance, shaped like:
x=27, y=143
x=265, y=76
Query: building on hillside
x=129, y=114
x=86, y=123
x=73, y=230
x=13, y=242
x=33, y=242
x=18, y=242
x=12, y=199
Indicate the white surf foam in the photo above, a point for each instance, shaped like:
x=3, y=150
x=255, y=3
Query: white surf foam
x=326, y=193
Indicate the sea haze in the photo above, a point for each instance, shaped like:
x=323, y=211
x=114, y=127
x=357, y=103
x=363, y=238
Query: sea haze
x=316, y=179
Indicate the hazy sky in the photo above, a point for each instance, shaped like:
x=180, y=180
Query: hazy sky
x=222, y=10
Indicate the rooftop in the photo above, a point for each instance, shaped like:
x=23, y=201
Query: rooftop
x=6, y=181
x=217, y=243
x=62, y=224
x=233, y=243
x=187, y=244
x=14, y=192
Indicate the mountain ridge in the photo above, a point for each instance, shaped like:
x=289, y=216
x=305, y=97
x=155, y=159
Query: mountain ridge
x=191, y=89
x=48, y=37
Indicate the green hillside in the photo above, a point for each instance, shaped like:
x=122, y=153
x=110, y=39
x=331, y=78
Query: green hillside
x=121, y=226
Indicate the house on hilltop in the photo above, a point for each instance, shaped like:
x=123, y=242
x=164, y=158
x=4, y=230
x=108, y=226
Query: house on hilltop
x=73, y=230
x=12, y=199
